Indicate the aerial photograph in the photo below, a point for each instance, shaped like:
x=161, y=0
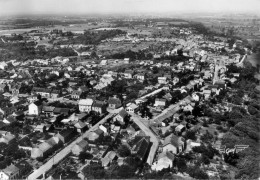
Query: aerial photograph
x=129, y=89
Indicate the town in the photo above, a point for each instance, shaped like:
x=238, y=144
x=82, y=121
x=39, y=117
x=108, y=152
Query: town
x=140, y=98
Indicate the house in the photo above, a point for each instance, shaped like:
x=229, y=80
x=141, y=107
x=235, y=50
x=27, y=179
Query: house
x=103, y=62
x=24, y=168
x=45, y=148
x=85, y=105
x=79, y=147
x=48, y=110
x=99, y=107
x=160, y=102
x=188, y=108
x=10, y=119
x=61, y=111
x=131, y=108
x=83, y=89
x=110, y=156
x=55, y=94
x=66, y=134
x=139, y=146
x=165, y=160
x=180, y=128
x=114, y=103
x=10, y=172
x=76, y=94
x=94, y=135
x=174, y=144
x=162, y=80
x=44, y=92
x=126, y=60
x=35, y=108
x=15, y=91
x=7, y=138
x=195, y=97
x=140, y=76
x=41, y=151
x=81, y=126
x=4, y=88
x=167, y=96
x=128, y=74
x=120, y=117
x=103, y=128
x=206, y=93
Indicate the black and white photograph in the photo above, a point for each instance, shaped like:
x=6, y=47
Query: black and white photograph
x=129, y=89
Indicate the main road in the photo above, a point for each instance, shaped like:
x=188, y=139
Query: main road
x=64, y=152
x=138, y=120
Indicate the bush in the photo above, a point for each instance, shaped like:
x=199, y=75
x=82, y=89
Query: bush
x=252, y=110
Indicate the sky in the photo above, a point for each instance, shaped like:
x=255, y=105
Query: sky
x=18, y=7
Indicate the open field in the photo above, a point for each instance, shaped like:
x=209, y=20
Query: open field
x=112, y=47
x=137, y=30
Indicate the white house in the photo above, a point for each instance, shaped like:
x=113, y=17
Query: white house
x=165, y=160
x=85, y=105
x=131, y=108
x=103, y=62
x=162, y=80
x=160, y=102
x=10, y=172
x=35, y=108
x=195, y=97
x=120, y=117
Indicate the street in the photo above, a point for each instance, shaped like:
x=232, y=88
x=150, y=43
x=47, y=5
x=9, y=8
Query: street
x=64, y=152
x=138, y=120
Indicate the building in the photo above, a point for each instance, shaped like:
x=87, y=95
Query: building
x=110, y=156
x=173, y=144
x=114, y=103
x=79, y=147
x=131, y=108
x=139, y=146
x=85, y=105
x=140, y=76
x=44, y=92
x=160, y=102
x=7, y=138
x=120, y=117
x=66, y=135
x=10, y=172
x=162, y=80
x=99, y=107
x=76, y=94
x=35, y=108
x=128, y=74
x=165, y=160
x=81, y=127
x=48, y=110
x=94, y=135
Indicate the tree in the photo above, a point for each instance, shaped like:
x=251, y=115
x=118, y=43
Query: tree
x=180, y=164
x=180, y=52
x=190, y=135
x=155, y=69
x=85, y=155
x=197, y=173
x=124, y=151
x=94, y=171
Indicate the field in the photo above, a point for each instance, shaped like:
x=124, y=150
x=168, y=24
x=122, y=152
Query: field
x=113, y=47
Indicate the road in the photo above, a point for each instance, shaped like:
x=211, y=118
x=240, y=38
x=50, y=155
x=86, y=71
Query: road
x=64, y=152
x=138, y=120
x=171, y=110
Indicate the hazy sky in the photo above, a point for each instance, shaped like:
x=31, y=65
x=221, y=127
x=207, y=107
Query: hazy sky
x=13, y=7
